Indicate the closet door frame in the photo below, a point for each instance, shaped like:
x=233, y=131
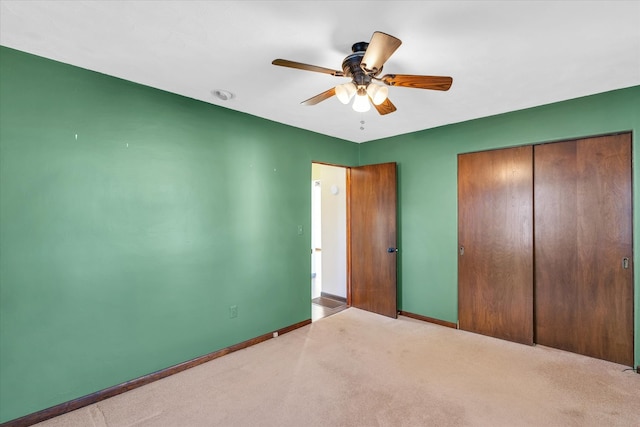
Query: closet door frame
x=473, y=297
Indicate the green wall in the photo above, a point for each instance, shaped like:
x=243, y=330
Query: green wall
x=132, y=219
x=123, y=248
x=427, y=186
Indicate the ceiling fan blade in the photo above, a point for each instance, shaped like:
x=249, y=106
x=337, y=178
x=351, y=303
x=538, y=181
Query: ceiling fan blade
x=321, y=97
x=381, y=47
x=385, y=108
x=301, y=66
x=419, y=82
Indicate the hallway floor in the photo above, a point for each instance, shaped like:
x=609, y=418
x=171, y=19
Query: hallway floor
x=323, y=307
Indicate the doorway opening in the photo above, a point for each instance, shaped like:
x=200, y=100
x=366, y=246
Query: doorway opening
x=328, y=240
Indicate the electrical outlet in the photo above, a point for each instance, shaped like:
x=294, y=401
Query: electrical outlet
x=233, y=311
x=300, y=230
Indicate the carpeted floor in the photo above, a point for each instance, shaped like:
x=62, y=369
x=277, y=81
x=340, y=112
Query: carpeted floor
x=360, y=369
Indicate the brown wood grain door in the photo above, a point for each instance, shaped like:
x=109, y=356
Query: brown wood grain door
x=372, y=229
x=495, y=236
x=583, y=247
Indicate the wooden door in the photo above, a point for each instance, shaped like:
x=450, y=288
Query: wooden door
x=372, y=229
x=495, y=232
x=583, y=247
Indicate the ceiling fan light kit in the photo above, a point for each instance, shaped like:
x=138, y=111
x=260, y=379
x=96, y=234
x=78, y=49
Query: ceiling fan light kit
x=361, y=103
x=377, y=93
x=363, y=66
x=345, y=92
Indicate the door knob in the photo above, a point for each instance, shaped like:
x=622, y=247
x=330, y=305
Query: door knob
x=392, y=250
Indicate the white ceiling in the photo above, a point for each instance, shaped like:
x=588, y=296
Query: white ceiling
x=502, y=55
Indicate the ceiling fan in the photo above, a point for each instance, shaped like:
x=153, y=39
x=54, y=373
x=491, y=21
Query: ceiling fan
x=363, y=67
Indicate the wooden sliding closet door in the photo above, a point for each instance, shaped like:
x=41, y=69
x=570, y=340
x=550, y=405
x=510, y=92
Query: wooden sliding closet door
x=495, y=232
x=583, y=247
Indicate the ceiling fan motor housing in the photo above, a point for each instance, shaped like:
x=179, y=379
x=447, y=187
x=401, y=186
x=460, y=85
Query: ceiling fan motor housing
x=351, y=65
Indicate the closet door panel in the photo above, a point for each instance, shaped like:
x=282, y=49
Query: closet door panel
x=583, y=234
x=495, y=262
x=556, y=244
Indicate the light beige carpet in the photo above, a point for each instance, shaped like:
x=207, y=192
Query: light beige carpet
x=360, y=369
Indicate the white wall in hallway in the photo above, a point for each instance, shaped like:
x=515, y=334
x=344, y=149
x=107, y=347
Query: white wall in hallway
x=334, y=230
